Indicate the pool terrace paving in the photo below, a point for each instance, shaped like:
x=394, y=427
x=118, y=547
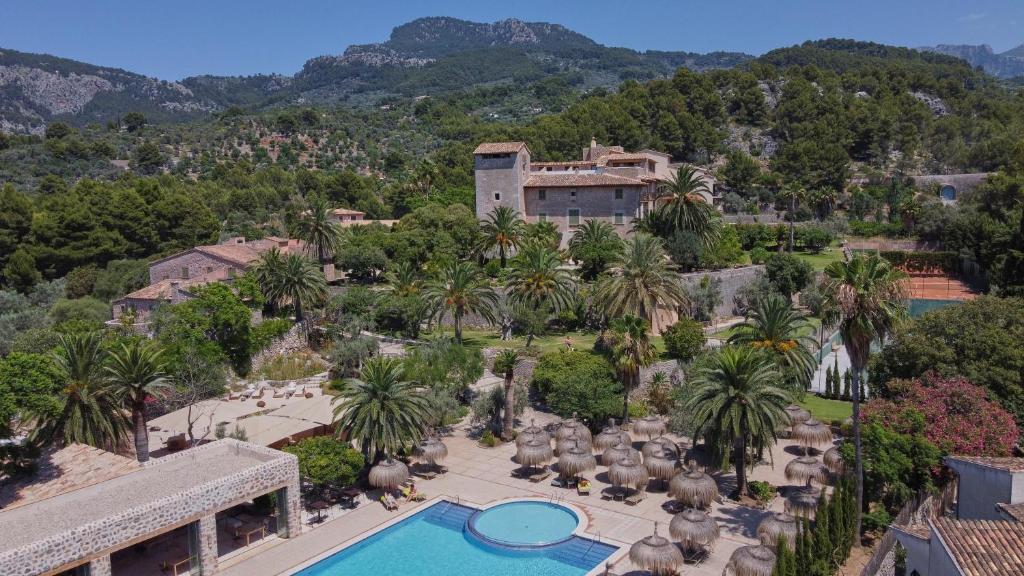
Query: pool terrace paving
x=479, y=476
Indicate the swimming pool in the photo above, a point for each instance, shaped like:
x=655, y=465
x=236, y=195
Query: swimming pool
x=435, y=541
x=523, y=524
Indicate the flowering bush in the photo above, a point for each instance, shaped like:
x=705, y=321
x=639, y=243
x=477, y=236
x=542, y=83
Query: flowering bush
x=957, y=416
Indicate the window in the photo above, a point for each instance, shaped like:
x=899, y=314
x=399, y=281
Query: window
x=572, y=193
x=184, y=271
x=497, y=195
x=620, y=218
x=618, y=193
x=542, y=194
x=542, y=217
x=209, y=269
x=574, y=216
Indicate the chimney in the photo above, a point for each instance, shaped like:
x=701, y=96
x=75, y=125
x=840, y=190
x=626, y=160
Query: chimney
x=593, y=142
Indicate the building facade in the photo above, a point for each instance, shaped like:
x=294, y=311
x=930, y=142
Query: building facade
x=607, y=184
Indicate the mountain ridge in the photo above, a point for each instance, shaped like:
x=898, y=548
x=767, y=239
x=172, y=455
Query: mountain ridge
x=1008, y=64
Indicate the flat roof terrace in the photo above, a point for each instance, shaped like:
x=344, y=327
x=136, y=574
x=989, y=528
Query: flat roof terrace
x=165, y=493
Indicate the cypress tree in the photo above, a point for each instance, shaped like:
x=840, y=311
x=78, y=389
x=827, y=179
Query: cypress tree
x=837, y=522
x=822, y=531
x=863, y=395
x=805, y=545
x=785, y=559
x=828, y=383
x=847, y=379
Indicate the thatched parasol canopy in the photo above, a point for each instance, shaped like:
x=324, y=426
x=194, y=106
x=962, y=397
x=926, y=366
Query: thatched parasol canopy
x=774, y=525
x=610, y=436
x=618, y=452
x=797, y=414
x=694, y=529
x=568, y=427
x=833, y=460
x=806, y=468
x=693, y=488
x=388, y=474
x=575, y=460
x=661, y=443
x=812, y=433
x=534, y=453
x=628, y=472
x=532, y=432
x=660, y=465
x=803, y=501
x=656, y=554
x=650, y=425
x=752, y=561
x=431, y=449
x=565, y=443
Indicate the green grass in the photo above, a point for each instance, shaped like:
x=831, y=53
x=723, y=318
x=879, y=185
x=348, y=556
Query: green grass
x=826, y=410
x=820, y=261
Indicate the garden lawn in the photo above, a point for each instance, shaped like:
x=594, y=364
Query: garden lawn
x=825, y=410
x=820, y=261
x=583, y=341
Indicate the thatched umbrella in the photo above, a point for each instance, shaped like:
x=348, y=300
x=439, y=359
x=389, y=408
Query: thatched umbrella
x=693, y=488
x=534, y=453
x=650, y=425
x=775, y=525
x=806, y=468
x=694, y=529
x=610, y=436
x=431, y=449
x=574, y=461
x=812, y=433
x=618, y=452
x=751, y=561
x=565, y=443
x=628, y=472
x=660, y=443
x=656, y=554
x=568, y=427
x=388, y=474
x=803, y=501
x=532, y=432
x=833, y=460
x=797, y=414
x=660, y=465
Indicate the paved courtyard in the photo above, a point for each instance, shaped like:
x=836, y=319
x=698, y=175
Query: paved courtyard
x=478, y=476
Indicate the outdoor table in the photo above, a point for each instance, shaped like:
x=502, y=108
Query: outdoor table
x=319, y=506
x=351, y=492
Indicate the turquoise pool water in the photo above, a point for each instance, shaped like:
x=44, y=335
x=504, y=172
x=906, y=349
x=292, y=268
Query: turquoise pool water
x=434, y=542
x=525, y=523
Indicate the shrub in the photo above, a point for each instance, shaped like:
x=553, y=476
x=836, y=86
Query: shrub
x=877, y=520
x=488, y=439
x=758, y=255
x=815, y=238
x=324, y=460
x=787, y=273
x=684, y=339
x=555, y=368
x=269, y=330
x=637, y=410
x=578, y=382
x=762, y=491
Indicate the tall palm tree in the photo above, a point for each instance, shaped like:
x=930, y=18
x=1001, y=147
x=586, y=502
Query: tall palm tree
x=545, y=233
x=268, y=274
x=301, y=281
x=404, y=279
x=738, y=402
x=630, y=350
x=594, y=245
x=538, y=279
x=642, y=279
x=795, y=195
x=505, y=364
x=136, y=372
x=461, y=289
x=688, y=208
x=773, y=324
x=503, y=229
x=870, y=295
x=91, y=412
x=320, y=232
x=382, y=411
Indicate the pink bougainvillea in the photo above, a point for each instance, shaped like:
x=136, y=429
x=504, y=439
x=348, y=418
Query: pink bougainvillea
x=953, y=414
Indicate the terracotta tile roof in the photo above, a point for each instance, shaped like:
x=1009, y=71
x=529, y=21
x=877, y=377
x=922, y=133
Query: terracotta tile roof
x=983, y=547
x=1007, y=464
x=162, y=290
x=499, y=147
x=241, y=254
x=625, y=157
x=60, y=471
x=541, y=180
x=1015, y=511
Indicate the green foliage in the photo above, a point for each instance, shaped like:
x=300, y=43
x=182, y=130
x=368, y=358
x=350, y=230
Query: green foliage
x=762, y=491
x=148, y=159
x=326, y=461
x=896, y=465
x=30, y=386
x=787, y=273
x=704, y=297
x=684, y=339
x=270, y=329
x=594, y=245
x=20, y=271
x=581, y=382
x=89, y=310
x=119, y=278
x=216, y=325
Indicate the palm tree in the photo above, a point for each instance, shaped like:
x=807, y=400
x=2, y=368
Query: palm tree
x=545, y=233
x=594, y=245
x=461, y=289
x=136, y=372
x=795, y=195
x=91, y=412
x=870, y=296
x=268, y=274
x=773, y=324
x=538, y=279
x=381, y=410
x=302, y=282
x=629, y=349
x=505, y=364
x=687, y=206
x=642, y=279
x=404, y=279
x=321, y=234
x=738, y=403
x=503, y=228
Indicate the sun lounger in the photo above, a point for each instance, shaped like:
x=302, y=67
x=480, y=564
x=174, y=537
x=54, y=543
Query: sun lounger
x=635, y=498
x=540, y=476
x=583, y=488
x=425, y=474
x=233, y=395
x=389, y=502
x=278, y=393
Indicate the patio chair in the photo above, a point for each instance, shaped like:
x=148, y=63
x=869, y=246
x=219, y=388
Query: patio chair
x=278, y=393
x=290, y=390
x=635, y=498
x=258, y=394
x=234, y=395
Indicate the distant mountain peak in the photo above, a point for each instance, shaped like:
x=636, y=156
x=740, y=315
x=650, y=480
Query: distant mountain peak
x=1009, y=64
x=1017, y=52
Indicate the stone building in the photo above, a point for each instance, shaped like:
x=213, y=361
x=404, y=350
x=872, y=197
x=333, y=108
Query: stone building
x=607, y=184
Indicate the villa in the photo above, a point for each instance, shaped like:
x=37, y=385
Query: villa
x=607, y=184
x=347, y=218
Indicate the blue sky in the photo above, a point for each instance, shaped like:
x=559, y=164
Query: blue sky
x=172, y=40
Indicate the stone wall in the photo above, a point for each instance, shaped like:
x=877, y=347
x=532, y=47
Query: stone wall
x=593, y=202
x=294, y=340
x=195, y=262
x=732, y=280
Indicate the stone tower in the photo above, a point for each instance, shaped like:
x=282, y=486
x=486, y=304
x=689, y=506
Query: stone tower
x=501, y=170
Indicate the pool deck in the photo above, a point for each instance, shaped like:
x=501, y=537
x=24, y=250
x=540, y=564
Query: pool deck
x=480, y=476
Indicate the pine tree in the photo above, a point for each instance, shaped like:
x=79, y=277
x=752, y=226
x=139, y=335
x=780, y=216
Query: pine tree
x=847, y=380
